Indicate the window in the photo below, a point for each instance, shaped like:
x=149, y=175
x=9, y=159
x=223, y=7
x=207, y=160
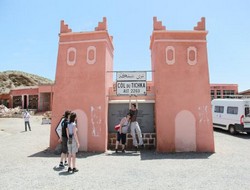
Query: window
x=212, y=94
x=219, y=109
x=232, y=110
x=17, y=101
x=247, y=114
x=218, y=94
x=227, y=93
x=33, y=102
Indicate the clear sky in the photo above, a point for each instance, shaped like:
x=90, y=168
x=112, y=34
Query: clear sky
x=29, y=32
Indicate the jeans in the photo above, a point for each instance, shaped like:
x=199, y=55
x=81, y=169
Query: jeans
x=135, y=128
x=27, y=123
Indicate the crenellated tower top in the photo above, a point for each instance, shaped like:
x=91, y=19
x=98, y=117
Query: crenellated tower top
x=158, y=24
x=201, y=25
x=64, y=27
x=102, y=25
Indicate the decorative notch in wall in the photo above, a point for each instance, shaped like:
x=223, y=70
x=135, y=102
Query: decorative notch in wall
x=71, y=56
x=192, y=55
x=91, y=55
x=201, y=25
x=64, y=27
x=158, y=24
x=170, y=55
x=102, y=25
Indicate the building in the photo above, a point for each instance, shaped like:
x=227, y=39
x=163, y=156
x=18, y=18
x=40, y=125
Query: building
x=38, y=98
x=175, y=117
x=245, y=93
x=223, y=90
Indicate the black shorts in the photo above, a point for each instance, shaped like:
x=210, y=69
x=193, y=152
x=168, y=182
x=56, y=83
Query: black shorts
x=121, y=137
x=64, y=145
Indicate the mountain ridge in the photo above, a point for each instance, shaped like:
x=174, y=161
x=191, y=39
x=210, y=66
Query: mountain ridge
x=12, y=79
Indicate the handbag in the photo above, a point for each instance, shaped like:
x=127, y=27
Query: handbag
x=117, y=127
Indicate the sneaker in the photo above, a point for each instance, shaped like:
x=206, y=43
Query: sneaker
x=65, y=163
x=75, y=170
x=69, y=169
x=61, y=165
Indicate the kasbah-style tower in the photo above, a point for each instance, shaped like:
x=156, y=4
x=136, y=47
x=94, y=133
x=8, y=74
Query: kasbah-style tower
x=180, y=77
x=82, y=84
x=182, y=92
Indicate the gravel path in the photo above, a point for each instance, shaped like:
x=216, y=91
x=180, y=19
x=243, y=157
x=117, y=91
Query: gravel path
x=27, y=164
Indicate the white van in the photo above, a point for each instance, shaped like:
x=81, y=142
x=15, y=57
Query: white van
x=231, y=114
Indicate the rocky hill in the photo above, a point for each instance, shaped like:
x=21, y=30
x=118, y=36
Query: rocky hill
x=14, y=79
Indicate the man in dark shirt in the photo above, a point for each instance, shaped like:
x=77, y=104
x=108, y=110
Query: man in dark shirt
x=63, y=139
x=134, y=127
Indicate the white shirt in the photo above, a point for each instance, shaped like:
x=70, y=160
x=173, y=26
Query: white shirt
x=71, y=127
x=26, y=116
x=125, y=126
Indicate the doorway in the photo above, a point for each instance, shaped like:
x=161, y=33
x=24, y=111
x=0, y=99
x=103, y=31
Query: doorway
x=25, y=102
x=145, y=118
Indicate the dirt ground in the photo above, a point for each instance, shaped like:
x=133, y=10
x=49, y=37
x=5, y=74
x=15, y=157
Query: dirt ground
x=26, y=163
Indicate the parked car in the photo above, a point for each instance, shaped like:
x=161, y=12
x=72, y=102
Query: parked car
x=231, y=114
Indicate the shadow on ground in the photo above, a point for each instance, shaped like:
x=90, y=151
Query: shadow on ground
x=62, y=170
x=144, y=154
x=152, y=155
x=237, y=135
x=49, y=153
x=45, y=153
x=119, y=153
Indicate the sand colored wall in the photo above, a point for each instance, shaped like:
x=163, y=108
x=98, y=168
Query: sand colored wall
x=82, y=84
x=182, y=93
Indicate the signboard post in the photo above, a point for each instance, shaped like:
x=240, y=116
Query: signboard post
x=131, y=83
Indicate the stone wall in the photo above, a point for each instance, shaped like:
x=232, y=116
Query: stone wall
x=149, y=140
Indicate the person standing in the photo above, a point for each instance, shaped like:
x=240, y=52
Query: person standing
x=122, y=132
x=64, y=139
x=26, y=117
x=134, y=127
x=73, y=142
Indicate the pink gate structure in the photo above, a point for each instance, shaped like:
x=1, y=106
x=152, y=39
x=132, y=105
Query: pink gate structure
x=179, y=88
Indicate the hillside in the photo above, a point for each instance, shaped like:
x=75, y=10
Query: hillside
x=14, y=79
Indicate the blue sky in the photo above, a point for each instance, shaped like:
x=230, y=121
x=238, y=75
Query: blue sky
x=29, y=32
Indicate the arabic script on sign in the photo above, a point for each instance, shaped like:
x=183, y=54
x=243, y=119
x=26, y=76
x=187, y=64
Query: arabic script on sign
x=130, y=76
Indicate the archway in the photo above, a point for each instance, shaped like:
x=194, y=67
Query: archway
x=185, y=132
